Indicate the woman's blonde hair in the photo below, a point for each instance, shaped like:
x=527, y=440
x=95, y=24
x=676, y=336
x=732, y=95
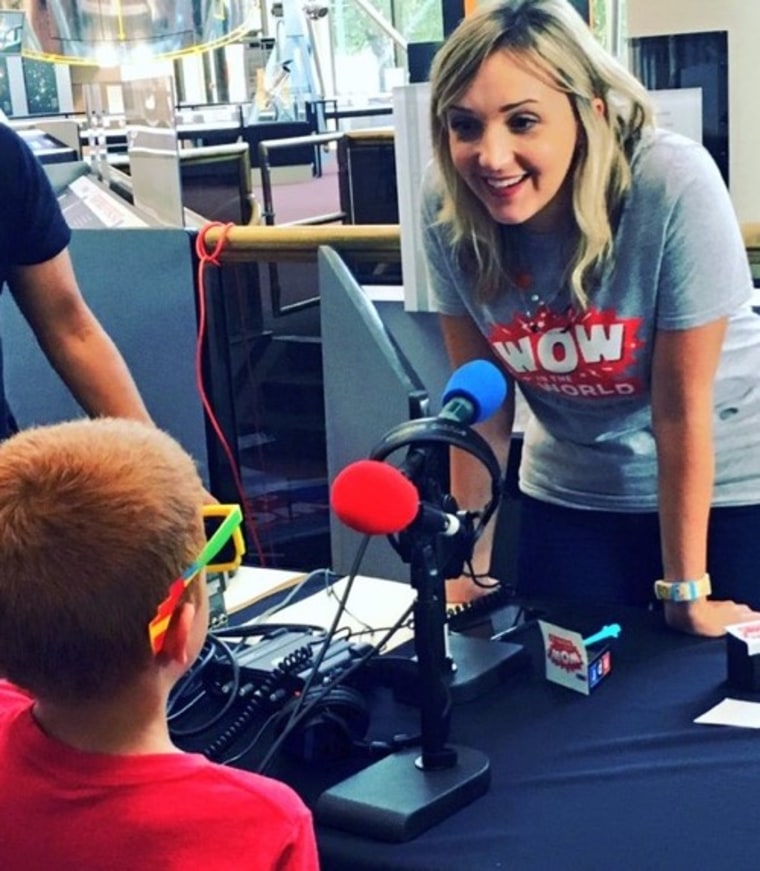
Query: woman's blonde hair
x=550, y=39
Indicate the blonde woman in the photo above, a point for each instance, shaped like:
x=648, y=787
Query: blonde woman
x=600, y=261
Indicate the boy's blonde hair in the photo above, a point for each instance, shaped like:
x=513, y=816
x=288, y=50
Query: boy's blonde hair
x=97, y=518
x=552, y=41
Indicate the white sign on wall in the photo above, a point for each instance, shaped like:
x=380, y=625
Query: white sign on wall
x=679, y=110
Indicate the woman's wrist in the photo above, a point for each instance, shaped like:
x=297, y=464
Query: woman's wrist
x=687, y=617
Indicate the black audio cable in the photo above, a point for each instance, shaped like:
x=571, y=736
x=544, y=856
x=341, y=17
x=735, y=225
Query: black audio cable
x=273, y=691
x=231, y=690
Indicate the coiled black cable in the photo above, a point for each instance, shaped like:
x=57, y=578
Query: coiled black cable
x=263, y=696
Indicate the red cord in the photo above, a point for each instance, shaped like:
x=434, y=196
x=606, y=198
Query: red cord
x=204, y=259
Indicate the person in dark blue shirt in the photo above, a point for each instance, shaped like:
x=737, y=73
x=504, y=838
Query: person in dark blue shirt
x=36, y=267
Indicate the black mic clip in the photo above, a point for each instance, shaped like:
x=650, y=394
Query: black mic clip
x=452, y=533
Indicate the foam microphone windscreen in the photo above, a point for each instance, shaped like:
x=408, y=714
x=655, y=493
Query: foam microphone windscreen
x=479, y=382
x=374, y=498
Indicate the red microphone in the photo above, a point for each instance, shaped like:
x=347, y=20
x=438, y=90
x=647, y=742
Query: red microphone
x=374, y=498
x=377, y=499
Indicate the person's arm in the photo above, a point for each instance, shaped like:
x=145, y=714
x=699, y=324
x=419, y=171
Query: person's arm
x=683, y=370
x=470, y=482
x=73, y=340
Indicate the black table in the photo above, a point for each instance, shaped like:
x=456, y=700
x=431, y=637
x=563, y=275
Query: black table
x=621, y=779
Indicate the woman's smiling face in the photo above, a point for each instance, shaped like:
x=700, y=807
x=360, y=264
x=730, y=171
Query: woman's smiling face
x=512, y=139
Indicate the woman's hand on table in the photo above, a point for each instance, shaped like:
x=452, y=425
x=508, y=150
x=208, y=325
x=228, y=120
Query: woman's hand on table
x=708, y=617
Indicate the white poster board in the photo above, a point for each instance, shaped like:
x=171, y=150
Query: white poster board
x=414, y=150
x=679, y=110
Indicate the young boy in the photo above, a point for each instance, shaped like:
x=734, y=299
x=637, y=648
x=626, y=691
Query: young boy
x=100, y=536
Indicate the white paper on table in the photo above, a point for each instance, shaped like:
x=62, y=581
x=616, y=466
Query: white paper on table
x=373, y=605
x=732, y=712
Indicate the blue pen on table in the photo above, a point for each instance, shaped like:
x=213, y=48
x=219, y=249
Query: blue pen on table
x=613, y=630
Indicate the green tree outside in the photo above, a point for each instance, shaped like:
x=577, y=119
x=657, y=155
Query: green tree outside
x=354, y=31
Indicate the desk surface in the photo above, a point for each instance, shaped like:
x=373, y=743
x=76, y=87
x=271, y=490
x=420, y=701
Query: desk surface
x=622, y=779
x=46, y=148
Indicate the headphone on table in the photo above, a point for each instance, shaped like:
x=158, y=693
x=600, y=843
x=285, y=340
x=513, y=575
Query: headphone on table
x=334, y=727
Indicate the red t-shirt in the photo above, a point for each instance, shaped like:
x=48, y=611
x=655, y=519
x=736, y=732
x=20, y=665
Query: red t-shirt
x=63, y=809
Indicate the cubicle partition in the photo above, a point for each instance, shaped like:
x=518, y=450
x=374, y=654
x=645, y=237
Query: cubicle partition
x=382, y=367
x=215, y=183
x=140, y=284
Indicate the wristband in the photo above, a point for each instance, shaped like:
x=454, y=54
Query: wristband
x=683, y=591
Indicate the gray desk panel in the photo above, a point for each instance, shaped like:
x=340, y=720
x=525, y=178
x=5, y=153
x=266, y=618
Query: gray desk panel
x=139, y=283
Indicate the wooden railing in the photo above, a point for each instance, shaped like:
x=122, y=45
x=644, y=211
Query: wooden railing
x=371, y=242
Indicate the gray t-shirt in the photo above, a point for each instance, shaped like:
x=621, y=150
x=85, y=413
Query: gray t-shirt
x=680, y=262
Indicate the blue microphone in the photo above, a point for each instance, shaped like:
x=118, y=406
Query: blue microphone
x=473, y=393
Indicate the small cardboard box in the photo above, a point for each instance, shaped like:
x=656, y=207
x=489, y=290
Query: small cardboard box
x=570, y=662
x=743, y=656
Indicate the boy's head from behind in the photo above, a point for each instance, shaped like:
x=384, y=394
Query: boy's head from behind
x=97, y=518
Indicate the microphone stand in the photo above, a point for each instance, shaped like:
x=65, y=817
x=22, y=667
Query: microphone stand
x=432, y=659
x=407, y=792
x=468, y=666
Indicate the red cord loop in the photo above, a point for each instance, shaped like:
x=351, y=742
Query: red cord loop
x=200, y=243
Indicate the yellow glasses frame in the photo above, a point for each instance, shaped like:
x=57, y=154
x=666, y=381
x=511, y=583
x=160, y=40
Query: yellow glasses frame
x=228, y=529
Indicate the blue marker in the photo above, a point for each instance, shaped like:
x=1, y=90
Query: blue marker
x=613, y=630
